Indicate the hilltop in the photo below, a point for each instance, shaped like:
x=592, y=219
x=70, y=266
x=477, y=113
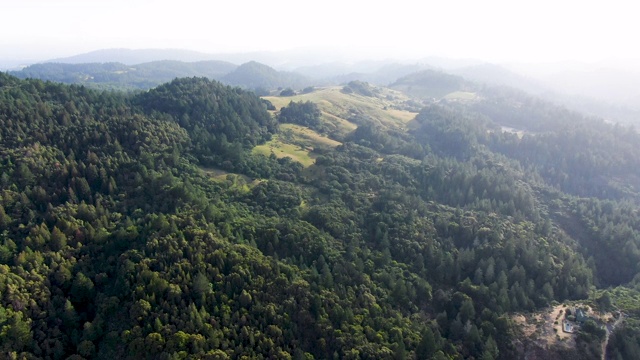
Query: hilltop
x=252, y=75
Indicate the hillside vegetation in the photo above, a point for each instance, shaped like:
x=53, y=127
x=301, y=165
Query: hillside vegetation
x=400, y=235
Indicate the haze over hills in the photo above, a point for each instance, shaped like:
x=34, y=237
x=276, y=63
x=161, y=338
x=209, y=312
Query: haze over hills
x=496, y=75
x=120, y=76
x=134, y=56
x=611, y=85
x=284, y=60
x=596, y=90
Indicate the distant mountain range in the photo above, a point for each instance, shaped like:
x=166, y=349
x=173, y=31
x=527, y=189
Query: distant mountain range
x=598, y=91
x=135, y=56
x=115, y=75
x=122, y=76
x=145, y=68
x=282, y=60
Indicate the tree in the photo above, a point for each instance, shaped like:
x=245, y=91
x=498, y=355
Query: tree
x=82, y=289
x=427, y=345
x=604, y=301
x=16, y=335
x=287, y=92
x=201, y=285
x=58, y=239
x=302, y=113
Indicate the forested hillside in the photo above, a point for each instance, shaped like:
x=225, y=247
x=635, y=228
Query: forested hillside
x=399, y=242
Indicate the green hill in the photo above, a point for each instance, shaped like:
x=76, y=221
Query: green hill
x=156, y=226
x=253, y=75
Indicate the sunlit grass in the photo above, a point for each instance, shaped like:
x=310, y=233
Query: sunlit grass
x=338, y=108
x=306, y=135
x=282, y=150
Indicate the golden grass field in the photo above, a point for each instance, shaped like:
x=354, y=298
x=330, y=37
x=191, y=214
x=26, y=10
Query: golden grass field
x=338, y=107
x=302, y=133
x=298, y=142
x=281, y=149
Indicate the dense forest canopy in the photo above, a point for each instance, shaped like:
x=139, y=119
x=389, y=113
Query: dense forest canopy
x=116, y=242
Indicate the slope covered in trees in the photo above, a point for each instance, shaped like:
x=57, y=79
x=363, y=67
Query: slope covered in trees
x=396, y=244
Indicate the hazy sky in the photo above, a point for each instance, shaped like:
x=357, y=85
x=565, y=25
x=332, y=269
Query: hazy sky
x=493, y=30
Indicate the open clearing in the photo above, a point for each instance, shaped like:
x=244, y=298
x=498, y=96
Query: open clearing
x=541, y=327
x=282, y=150
x=308, y=137
x=546, y=327
x=557, y=314
x=239, y=181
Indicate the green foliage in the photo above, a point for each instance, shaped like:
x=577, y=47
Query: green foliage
x=252, y=75
x=395, y=244
x=450, y=132
x=624, y=343
x=308, y=89
x=287, y=92
x=301, y=113
x=222, y=128
x=358, y=87
x=387, y=141
x=610, y=232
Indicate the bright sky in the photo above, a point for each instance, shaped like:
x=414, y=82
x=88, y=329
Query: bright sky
x=492, y=30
